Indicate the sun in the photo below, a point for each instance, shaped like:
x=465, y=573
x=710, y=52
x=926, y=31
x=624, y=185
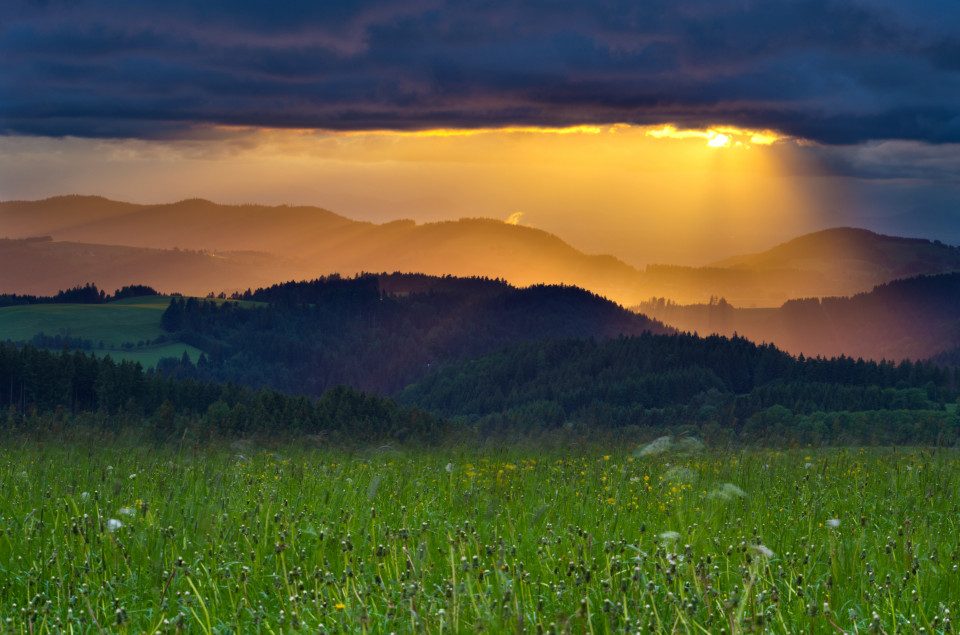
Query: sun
x=720, y=137
x=718, y=141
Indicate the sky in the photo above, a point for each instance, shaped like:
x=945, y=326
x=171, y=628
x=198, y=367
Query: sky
x=678, y=132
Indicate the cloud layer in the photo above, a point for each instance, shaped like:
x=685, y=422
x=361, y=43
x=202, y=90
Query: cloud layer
x=833, y=72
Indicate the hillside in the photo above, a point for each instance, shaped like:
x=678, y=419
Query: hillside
x=42, y=267
x=236, y=247
x=493, y=358
x=312, y=241
x=854, y=251
x=912, y=318
x=381, y=333
x=663, y=381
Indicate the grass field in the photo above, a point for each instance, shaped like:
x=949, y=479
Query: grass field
x=114, y=324
x=137, y=539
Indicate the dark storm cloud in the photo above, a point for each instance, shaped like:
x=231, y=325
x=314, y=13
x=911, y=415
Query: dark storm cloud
x=834, y=72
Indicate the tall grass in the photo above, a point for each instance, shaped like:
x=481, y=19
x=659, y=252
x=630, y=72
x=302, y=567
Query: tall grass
x=136, y=539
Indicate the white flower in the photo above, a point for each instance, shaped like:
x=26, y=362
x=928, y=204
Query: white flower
x=133, y=476
x=833, y=522
x=762, y=550
x=113, y=524
x=449, y=467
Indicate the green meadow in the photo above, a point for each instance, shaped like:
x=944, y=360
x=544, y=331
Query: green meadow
x=663, y=538
x=126, y=328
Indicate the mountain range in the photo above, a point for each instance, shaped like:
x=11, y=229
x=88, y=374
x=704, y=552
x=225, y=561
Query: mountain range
x=197, y=247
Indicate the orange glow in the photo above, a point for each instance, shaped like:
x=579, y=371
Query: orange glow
x=644, y=194
x=720, y=137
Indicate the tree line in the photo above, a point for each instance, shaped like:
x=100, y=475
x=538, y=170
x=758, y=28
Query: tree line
x=43, y=390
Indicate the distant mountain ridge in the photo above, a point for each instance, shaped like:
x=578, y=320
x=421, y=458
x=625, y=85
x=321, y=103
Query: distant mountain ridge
x=913, y=318
x=853, y=248
x=301, y=242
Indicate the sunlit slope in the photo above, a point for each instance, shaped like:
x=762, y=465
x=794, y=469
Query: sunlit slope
x=22, y=219
x=125, y=329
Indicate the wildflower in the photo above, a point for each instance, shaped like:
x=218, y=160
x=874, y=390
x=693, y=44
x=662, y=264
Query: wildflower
x=339, y=606
x=133, y=476
x=113, y=524
x=833, y=522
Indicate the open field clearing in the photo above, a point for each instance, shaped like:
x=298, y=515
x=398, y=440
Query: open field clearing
x=113, y=323
x=137, y=539
x=134, y=322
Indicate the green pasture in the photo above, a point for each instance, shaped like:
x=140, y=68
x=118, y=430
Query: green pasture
x=664, y=538
x=128, y=321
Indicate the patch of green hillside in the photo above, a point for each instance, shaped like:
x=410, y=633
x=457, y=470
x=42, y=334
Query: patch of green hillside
x=114, y=323
x=125, y=329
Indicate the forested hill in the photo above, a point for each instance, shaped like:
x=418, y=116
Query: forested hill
x=380, y=333
x=671, y=380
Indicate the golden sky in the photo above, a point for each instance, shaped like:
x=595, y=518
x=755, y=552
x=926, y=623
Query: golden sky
x=644, y=194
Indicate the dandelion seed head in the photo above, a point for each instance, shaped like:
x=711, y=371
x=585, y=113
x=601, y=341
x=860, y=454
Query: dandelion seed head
x=728, y=491
x=657, y=446
x=113, y=524
x=449, y=467
x=670, y=536
x=126, y=511
x=833, y=522
x=763, y=550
